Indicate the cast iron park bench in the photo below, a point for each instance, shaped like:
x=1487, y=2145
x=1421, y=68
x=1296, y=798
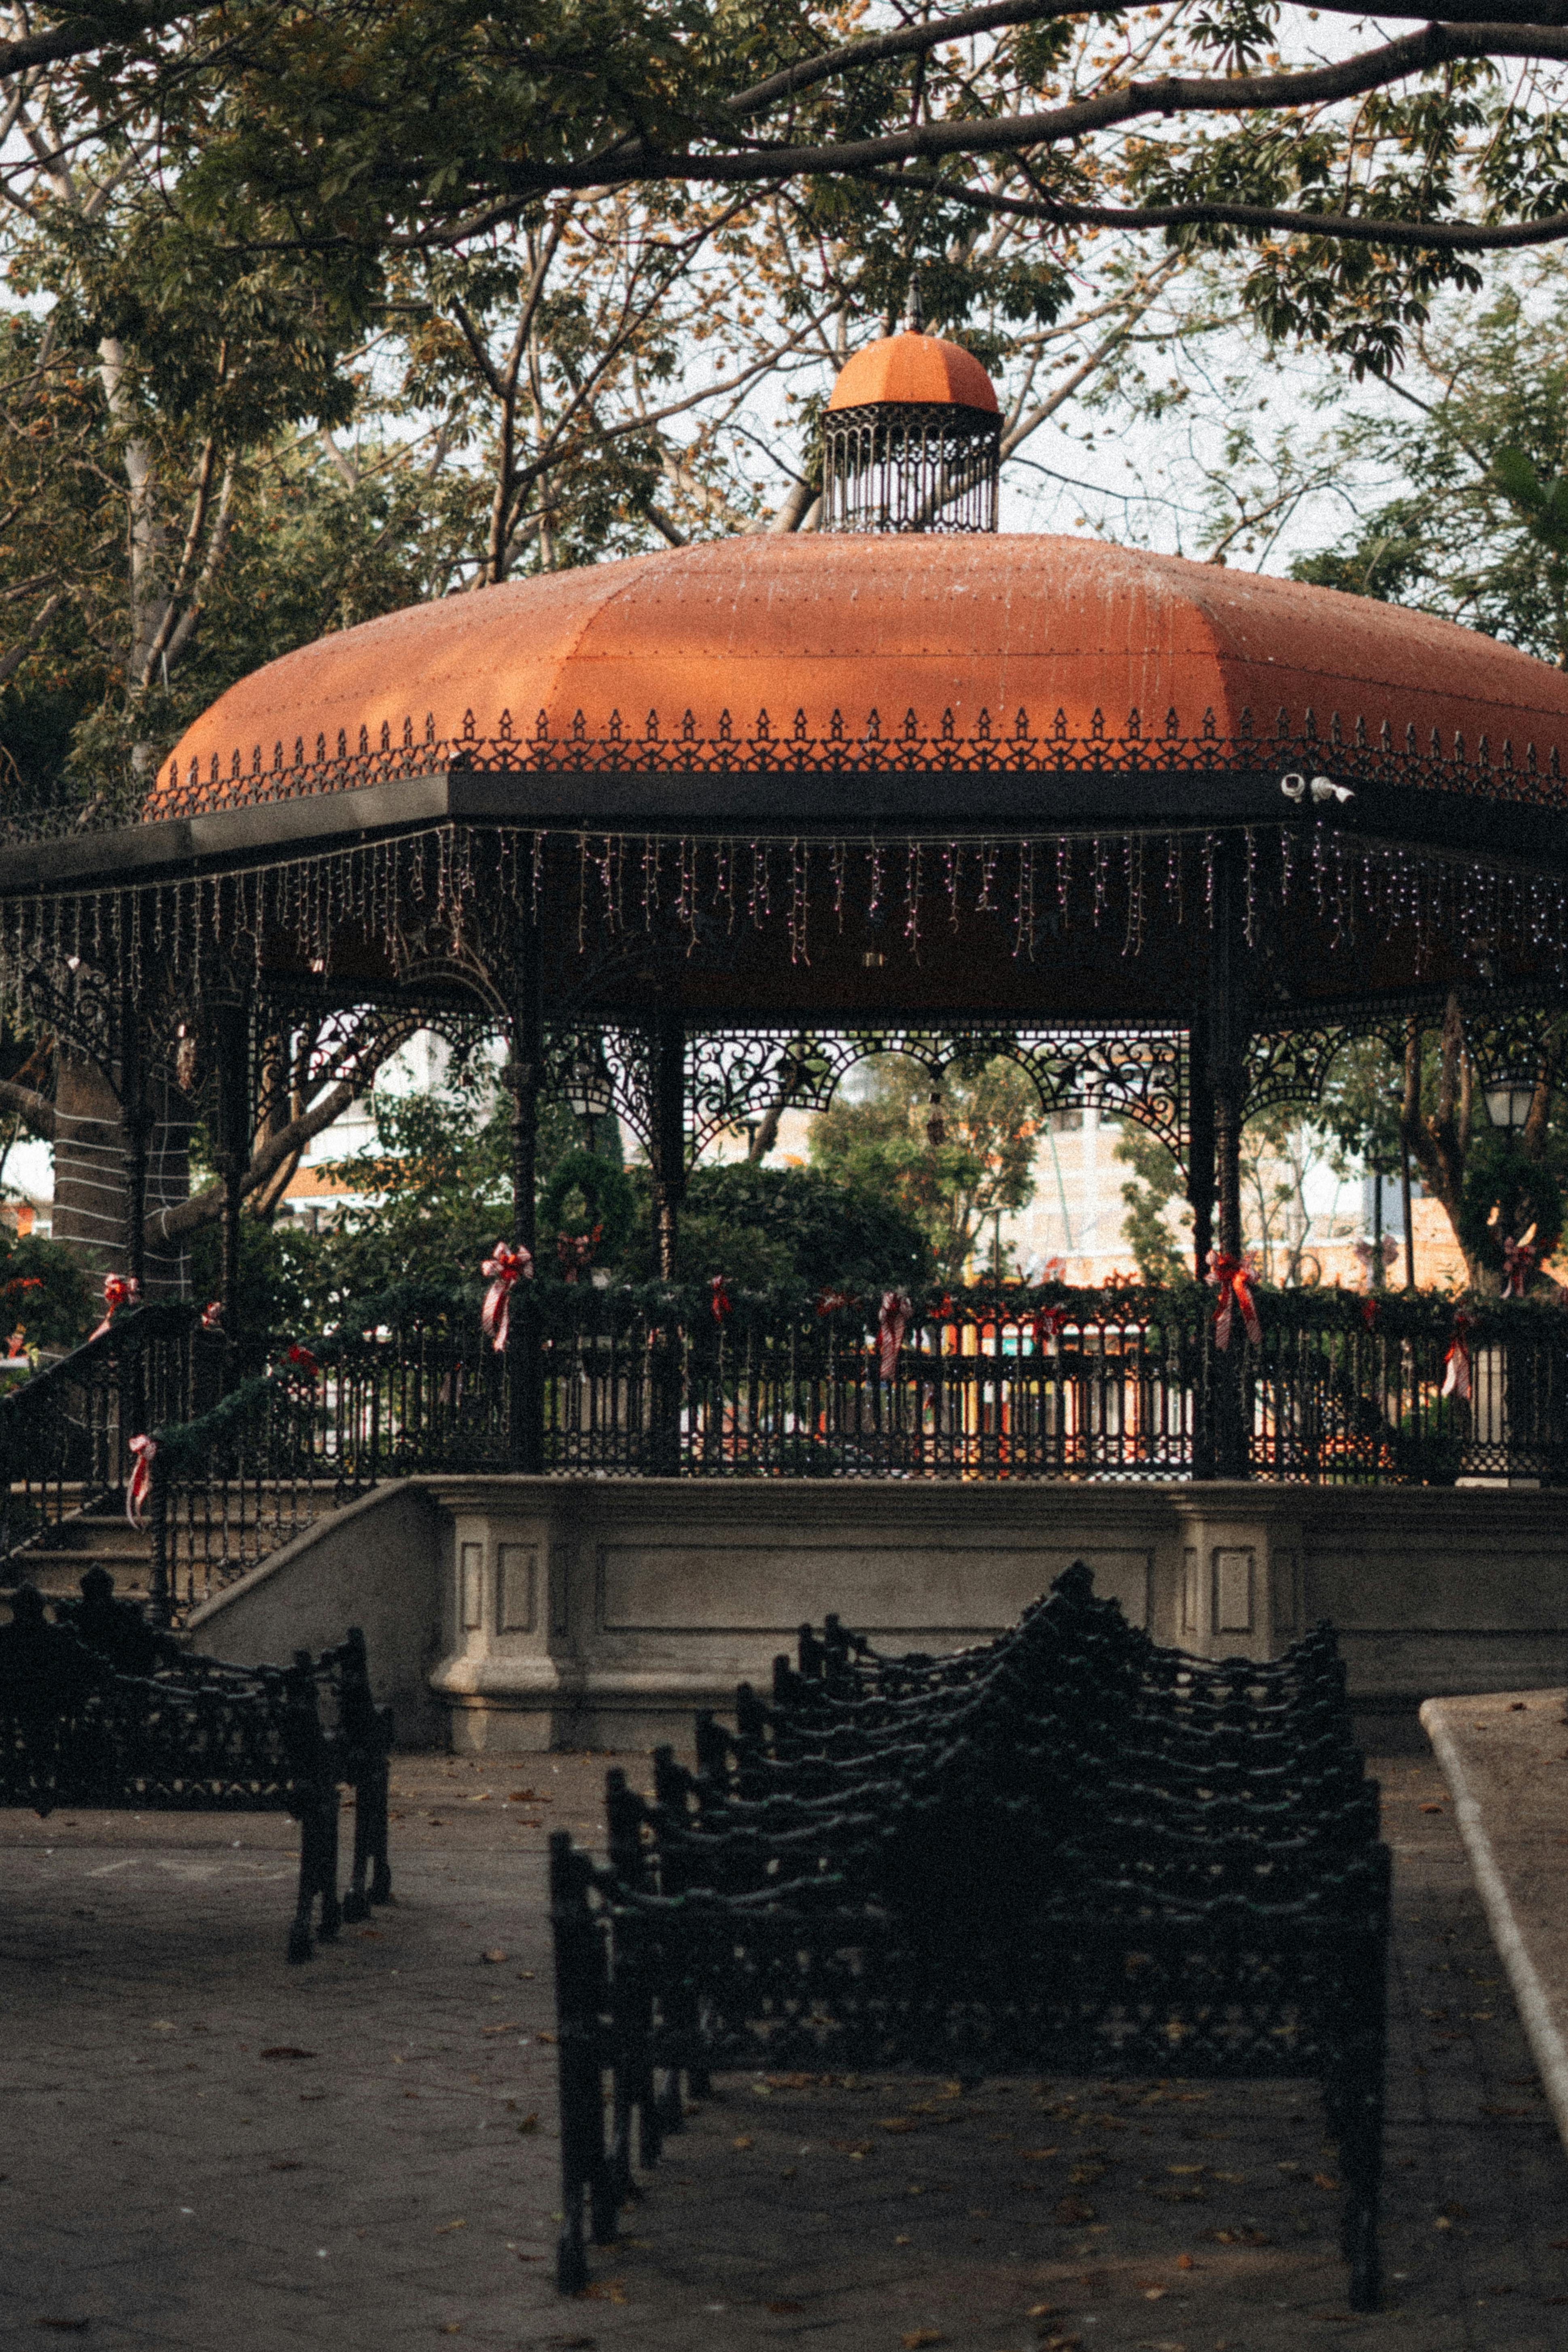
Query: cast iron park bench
x=1067, y=1851
x=101, y=1710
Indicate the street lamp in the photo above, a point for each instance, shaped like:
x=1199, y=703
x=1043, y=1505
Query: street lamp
x=590, y=1091
x=1508, y=1102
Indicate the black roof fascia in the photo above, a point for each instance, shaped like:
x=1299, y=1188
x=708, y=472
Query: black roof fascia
x=781, y=805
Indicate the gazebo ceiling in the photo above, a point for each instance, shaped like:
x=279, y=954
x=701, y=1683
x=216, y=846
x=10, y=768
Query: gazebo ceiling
x=715, y=682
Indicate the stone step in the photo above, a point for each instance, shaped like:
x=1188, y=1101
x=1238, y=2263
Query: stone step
x=102, y=1533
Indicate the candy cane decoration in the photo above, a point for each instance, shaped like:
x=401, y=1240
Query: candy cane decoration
x=119, y=1290
x=507, y=1266
x=141, y=1486
x=829, y=1302
x=891, y=1325
x=1518, y=1266
x=1232, y=1276
x=1456, y=1362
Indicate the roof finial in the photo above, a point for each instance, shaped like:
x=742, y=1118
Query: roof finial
x=917, y=318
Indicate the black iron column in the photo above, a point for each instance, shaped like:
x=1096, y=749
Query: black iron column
x=1227, y=1060
x=1200, y=1143
x=668, y=1153
x=668, y=1157
x=525, y=1366
x=231, y=1026
x=136, y=1118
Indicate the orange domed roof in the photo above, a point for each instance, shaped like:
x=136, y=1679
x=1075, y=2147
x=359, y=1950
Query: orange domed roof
x=913, y=367
x=841, y=641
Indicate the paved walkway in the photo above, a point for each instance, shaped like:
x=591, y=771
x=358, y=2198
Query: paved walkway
x=205, y=2149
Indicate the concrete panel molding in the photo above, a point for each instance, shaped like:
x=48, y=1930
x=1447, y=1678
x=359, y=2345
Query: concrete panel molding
x=518, y=1613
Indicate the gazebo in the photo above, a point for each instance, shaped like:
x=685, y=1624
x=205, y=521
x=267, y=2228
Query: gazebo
x=729, y=817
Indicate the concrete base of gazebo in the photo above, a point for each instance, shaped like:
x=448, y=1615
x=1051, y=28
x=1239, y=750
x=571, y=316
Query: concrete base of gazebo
x=507, y=1616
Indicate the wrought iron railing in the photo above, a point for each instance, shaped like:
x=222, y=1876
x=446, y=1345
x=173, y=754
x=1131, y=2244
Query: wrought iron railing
x=1119, y=1384
x=65, y=1433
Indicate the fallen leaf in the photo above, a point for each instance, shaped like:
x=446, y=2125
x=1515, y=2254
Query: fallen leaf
x=1071, y=2210
x=612, y=2291
x=896, y=2123
x=1186, y=2262
x=922, y=2336
x=286, y=2050
x=494, y=1957
x=1038, y=2154
x=743, y=2140
x=544, y=2037
x=1324, y=2180
x=1041, y=2311
x=1520, y=1707
x=443, y=2227
x=529, y=2124
x=1432, y=1809
x=1154, y=2294
x=781, y=2304
x=510, y=2027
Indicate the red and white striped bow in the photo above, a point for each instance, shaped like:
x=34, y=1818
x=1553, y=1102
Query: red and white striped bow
x=212, y=1315
x=1232, y=1277
x=505, y=1268
x=1518, y=1266
x=119, y=1290
x=141, y=1486
x=891, y=1324
x=1456, y=1362
x=719, y=1299
x=829, y=1302
x=1048, y=1325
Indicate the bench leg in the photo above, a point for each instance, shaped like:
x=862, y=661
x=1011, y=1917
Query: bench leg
x=332, y=1908
x=301, y=1943
x=356, y=1901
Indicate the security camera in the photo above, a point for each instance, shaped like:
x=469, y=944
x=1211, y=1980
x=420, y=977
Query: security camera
x=1325, y=789
x=1293, y=787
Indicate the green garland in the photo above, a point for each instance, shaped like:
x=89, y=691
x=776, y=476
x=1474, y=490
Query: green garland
x=612, y=1202
x=1497, y=1173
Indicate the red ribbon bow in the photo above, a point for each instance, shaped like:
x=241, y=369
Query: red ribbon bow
x=1370, y=1306
x=829, y=1302
x=1518, y=1266
x=1456, y=1362
x=303, y=1359
x=212, y=1315
x=1232, y=1276
x=574, y=1251
x=719, y=1299
x=119, y=1290
x=141, y=1486
x=1048, y=1326
x=505, y=1268
x=891, y=1325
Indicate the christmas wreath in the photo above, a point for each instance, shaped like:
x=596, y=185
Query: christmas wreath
x=610, y=1205
x=1498, y=1177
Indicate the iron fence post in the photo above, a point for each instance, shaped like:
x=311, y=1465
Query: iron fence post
x=161, y=1581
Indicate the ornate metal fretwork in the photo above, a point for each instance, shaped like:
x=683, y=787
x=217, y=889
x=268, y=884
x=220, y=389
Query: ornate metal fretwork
x=910, y=466
x=1140, y=1075
x=1163, y=745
